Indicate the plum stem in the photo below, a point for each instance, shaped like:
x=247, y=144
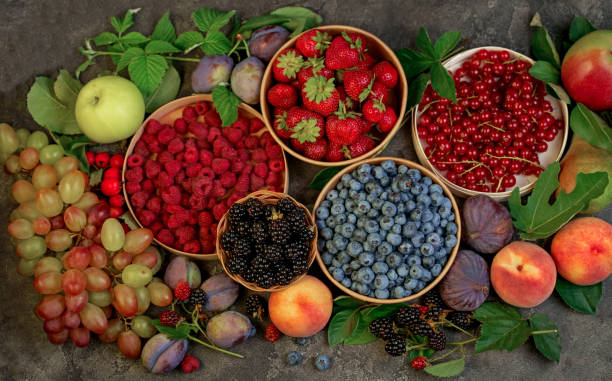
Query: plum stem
x=214, y=347
x=544, y=332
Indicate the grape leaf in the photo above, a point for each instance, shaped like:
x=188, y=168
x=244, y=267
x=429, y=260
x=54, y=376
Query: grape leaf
x=66, y=88
x=340, y=327
x=503, y=327
x=215, y=42
x=416, y=89
x=549, y=344
x=580, y=298
x=538, y=218
x=323, y=177
x=165, y=92
x=226, y=104
x=580, y=27
x=209, y=19
x=49, y=111
x=413, y=62
x=446, y=43
x=442, y=82
x=95, y=177
x=424, y=43
x=189, y=40
x=164, y=30
x=446, y=369
x=545, y=71
x=160, y=47
x=589, y=126
x=147, y=72
x=74, y=146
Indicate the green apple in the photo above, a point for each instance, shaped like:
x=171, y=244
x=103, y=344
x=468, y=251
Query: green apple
x=109, y=109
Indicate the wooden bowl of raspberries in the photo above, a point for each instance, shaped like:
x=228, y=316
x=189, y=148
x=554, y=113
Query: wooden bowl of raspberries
x=334, y=95
x=504, y=130
x=267, y=241
x=182, y=171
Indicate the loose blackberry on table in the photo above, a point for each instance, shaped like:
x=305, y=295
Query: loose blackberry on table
x=396, y=345
x=407, y=316
x=461, y=319
x=437, y=341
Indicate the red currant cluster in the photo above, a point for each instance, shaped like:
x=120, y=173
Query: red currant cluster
x=111, y=179
x=497, y=128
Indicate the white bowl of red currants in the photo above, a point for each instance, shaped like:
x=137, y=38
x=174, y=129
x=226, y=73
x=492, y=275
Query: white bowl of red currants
x=503, y=132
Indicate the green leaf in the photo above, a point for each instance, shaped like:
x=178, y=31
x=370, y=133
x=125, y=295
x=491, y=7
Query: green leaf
x=413, y=62
x=82, y=68
x=74, y=146
x=589, y=126
x=105, y=38
x=128, y=57
x=580, y=298
x=446, y=43
x=310, y=19
x=95, y=177
x=116, y=48
x=558, y=92
x=549, y=344
x=545, y=71
x=446, y=369
x=442, y=82
x=580, y=27
x=543, y=48
x=165, y=92
x=189, y=40
x=123, y=24
x=66, y=88
x=427, y=353
x=209, y=19
x=226, y=103
x=164, y=30
x=341, y=327
x=539, y=219
x=129, y=220
x=216, y=43
x=179, y=332
x=416, y=89
x=133, y=38
x=48, y=111
x=147, y=72
x=361, y=333
x=259, y=21
x=502, y=328
x=424, y=43
x=383, y=310
x=296, y=25
x=323, y=177
x=346, y=301
x=160, y=47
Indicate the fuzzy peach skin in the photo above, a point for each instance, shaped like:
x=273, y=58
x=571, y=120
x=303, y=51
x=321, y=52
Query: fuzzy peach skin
x=582, y=251
x=302, y=309
x=523, y=274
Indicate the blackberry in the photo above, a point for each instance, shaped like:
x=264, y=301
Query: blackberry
x=434, y=313
x=238, y=212
x=433, y=298
x=249, y=275
x=198, y=296
x=304, y=234
x=255, y=207
x=296, y=250
x=437, y=341
x=241, y=248
x=279, y=231
x=421, y=328
x=461, y=319
x=382, y=328
x=169, y=318
x=259, y=232
x=228, y=239
x=286, y=205
x=242, y=228
x=269, y=210
x=265, y=280
x=273, y=253
x=283, y=276
x=407, y=316
x=300, y=266
x=296, y=219
x=255, y=306
x=238, y=265
x=396, y=345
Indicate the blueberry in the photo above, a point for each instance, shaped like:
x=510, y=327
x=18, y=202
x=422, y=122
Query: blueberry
x=320, y=245
x=384, y=248
x=402, y=169
x=435, y=221
x=340, y=219
x=346, y=178
x=325, y=204
x=338, y=274
x=363, y=207
x=343, y=194
x=427, y=181
x=423, y=199
x=326, y=233
x=329, y=245
x=337, y=209
x=389, y=166
x=396, y=229
x=401, y=208
x=443, y=222
x=366, y=259
x=451, y=228
x=428, y=261
x=354, y=248
x=354, y=195
x=418, y=239
x=346, y=268
x=440, y=231
x=322, y=213
x=441, y=253
x=362, y=288
x=351, y=218
x=402, y=270
x=359, y=235
x=392, y=275
x=404, y=184
x=450, y=241
x=322, y=362
x=301, y=340
x=415, y=215
x=327, y=258
x=365, y=275
x=414, y=174
x=350, y=205
x=380, y=267
x=374, y=239
x=417, y=188
x=380, y=256
x=414, y=260
x=378, y=172
x=294, y=358
x=395, y=197
x=409, y=229
x=427, y=249
x=416, y=271
x=381, y=281
x=451, y=217
x=355, y=185
x=361, y=221
x=335, y=263
x=364, y=179
x=385, y=181
x=368, y=247
x=436, y=269
x=330, y=222
x=394, y=239
x=427, y=215
x=400, y=218
x=370, y=186
x=435, y=188
x=445, y=211
x=340, y=242
x=364, y=169
x=347, y=282
x=354, y=279
x=377, y=203
x=427, y=228
x=434, y=239
x=394, y=260
x=373, y=213
x=395, y=185
x=420, y=285
x=332, y=195
x=410, y=284
x=321, y=224
x=355, y=264
x=347, y=230
x=343, y=257
x=426, y=276
x=398, y=292
x=410, y=205
x=381, y=294
x=405, y=247
x=386, y=222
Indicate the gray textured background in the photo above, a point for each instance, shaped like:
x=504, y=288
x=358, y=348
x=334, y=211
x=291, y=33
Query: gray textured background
x=40, y=37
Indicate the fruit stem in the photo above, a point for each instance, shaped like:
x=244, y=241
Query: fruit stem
x=492, y=126
x=418, y=346
x=96, y=53
x=445, y=355
x=515, y=158
x=246, y=47
x=235, y=47
x=457, y=327
x=544, y=332
x=214, y=347
x=464, y=342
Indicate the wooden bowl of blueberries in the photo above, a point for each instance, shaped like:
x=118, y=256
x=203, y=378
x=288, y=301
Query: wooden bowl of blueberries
x=389, y=230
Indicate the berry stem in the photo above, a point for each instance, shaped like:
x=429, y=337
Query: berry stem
x=515, y=158
x=545, y=332
x=95, y=53
x=418, y=346
x=457, y=327
x=492, y=126
x=214, y=347
x=464, y=342
x=444, y=355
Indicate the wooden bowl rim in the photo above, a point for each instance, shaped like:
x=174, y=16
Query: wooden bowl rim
x=162, y=112
x=402, y=92
x=376, y=160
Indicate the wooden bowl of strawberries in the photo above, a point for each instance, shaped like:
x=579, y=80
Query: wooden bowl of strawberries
x=334, y=95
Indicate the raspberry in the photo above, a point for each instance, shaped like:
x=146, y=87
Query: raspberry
x=186, y=184
x=201, y=186
x=261, y=170
x=419, y=363
x=220, y=165
x=132, y=187
x=190, y=363
x=219, y=145
x=276, y=165
x=204, y=232
x=232, y=134
x=193, y=169
x=152, y=168
x=217, y=190
x=165, y=236
x=242, y=123
x=176, y=145
x=237, y=166
x=171, y=195
x=166, y=134
x=235, y=196
x=273, y=151
x=256, y=182
x=193, y=216
x=148, y=138
x=141, y=149
x=273, y=178
x=206, y=158
x=229, y=153
x=147, y=217
x=272, y=333
x=242, y=184
x=205, y=218
x=201, y=107
x=259, y=155
x=153, y=127
x=266, y=139
x=219, y=210
x=199, y=129
x=184, y=234
x=180, y=126
x=207, y=246
x=173, y=167
x=191, y=155
x=169, y=318
x=196, y=202
x=135, y=160
x=228, y=179
x=190, y=143
x=189, y=114
x=116, y=161
x=155, y=147
x=147, y=186
x=203, y=144
x=117, y=201
x=164, y=180
x=212, y=118
x=134, y=174
x=255, y=125
x=139, y=199
x=243, y=155
x=248, y=168
x=213, y=134
x=154, y=204
x=156, y=227
x=251, y=142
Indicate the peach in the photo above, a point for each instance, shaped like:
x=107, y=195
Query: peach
x=302, y=309
x=523, y=274
x=582, y=251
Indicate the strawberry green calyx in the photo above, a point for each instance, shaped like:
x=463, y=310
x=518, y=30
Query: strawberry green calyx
x=319, y=88
x=281, y=122
x=306, y=131
x=322, y=39
x=354, y=44
x=367, y=91
x=290, y=63
x=343, y=114
x=379, y=105
x=316, y=63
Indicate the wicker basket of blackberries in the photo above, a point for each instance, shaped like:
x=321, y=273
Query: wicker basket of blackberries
x=266, y=241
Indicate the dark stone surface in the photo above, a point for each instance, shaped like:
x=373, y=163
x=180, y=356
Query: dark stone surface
x=40, y=37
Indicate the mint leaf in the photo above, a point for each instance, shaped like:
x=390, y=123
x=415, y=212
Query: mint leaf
x=164, y=30
x=583, y=299
x=424, y=43
x=165, y=92
x=133, y=38
x=545, y=71
x=209, y=19
x=105, y=38
x=341, y=327
x=128, y=57
x=442, y=82
x=446, y=369
x=323, y=177
x=189, y=40
x=502, y=328
x=589, y=126
x=226, y=104
x=416, y=89
x=123, y=24
x=549, y=344
x=160, y=47
x=147, y=72
x=50, y=112
x=216, y=43
x=413, y=62
x=446, y=43
x=580, y=27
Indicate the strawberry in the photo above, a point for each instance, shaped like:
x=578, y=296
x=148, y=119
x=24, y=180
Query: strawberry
x=348, y=102
x=366, y=62
x=362, y=145
x=280, y=125
x=358, y=83
x=287, y=65
x=357, y=40
x=297, y=146
x=388, y=119
x=379, y=91
x=319, y=94
x=306, y=126
x=335, y=152
x=366, y=126
x=313, y=43
x=386, y=74
x=282, y=95
x=311, y=67
x=343, y=127
x=316, y=150
x=373, y=110
x=344, y=51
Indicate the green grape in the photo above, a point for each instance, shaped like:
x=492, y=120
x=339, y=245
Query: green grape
x=21, y=229
x=23, y=136
x=144, y=299
x=49, y=202
x=23, y=191
x=33, y=247
x=46, y=264
x=38, y=140
x=9, y=141
x=28, y=158
x=51, y=153
x=136, y=275
x=87, y=200
x=44, y=176
x=137, y=240
x=143, y=327
x=58, y=240
x=112, y=235
x=26, y=266
x=15, y=214
x=100, y=298
x=65, y=165
x=75, y=219
x=28, y=210
x=72, y=186
x=12, y=164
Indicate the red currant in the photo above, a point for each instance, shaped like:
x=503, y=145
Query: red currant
x=102, y=159
x=110, y=187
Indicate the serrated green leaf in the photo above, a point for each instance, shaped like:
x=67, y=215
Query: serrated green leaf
x=123, y=24
x=164, y=30
x=446, y=43
x=416, y=89
x=589, y=126
x=226, y=103
x=105, y=38
x=427, y=353
x=442, y=82
x=147, y=72
x=424, y=43
x=346, y=301
x=216, y=43
x=538, y=218
x=583, y=299
x=259, y=21
x=128, y=57
x=209, y=19
x=361, y=333
x=558, y=92
x=545, y=71
x=48, y=111
x=340, y=327
x=413, y=62
x=495, y=311
x=502, y=328
x=133, y=39
x=165, y=92
x=383, y=310
x=117, y=48
x=549, y=344
x=160, y=47
x=543, y=47
x=580, y=27
x=66, y=88
x=129, y=220
x=189, y=40
x=323, y=176
x=179, y=332
x=74, y=146
x=95, y=177
x=446, y=369
x=308, y=19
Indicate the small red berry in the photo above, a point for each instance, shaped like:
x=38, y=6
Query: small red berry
x=419, y=363
x=112, y=173
x=423, y=310
x=110, y=187
x=169, y=318
x=190, y=364
x=116, y=161
x=272, y=333
x=102, y=159
x=117, y=201
x=135, y=160
x=116, y=212
x=182, y=291
x=91, y=157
